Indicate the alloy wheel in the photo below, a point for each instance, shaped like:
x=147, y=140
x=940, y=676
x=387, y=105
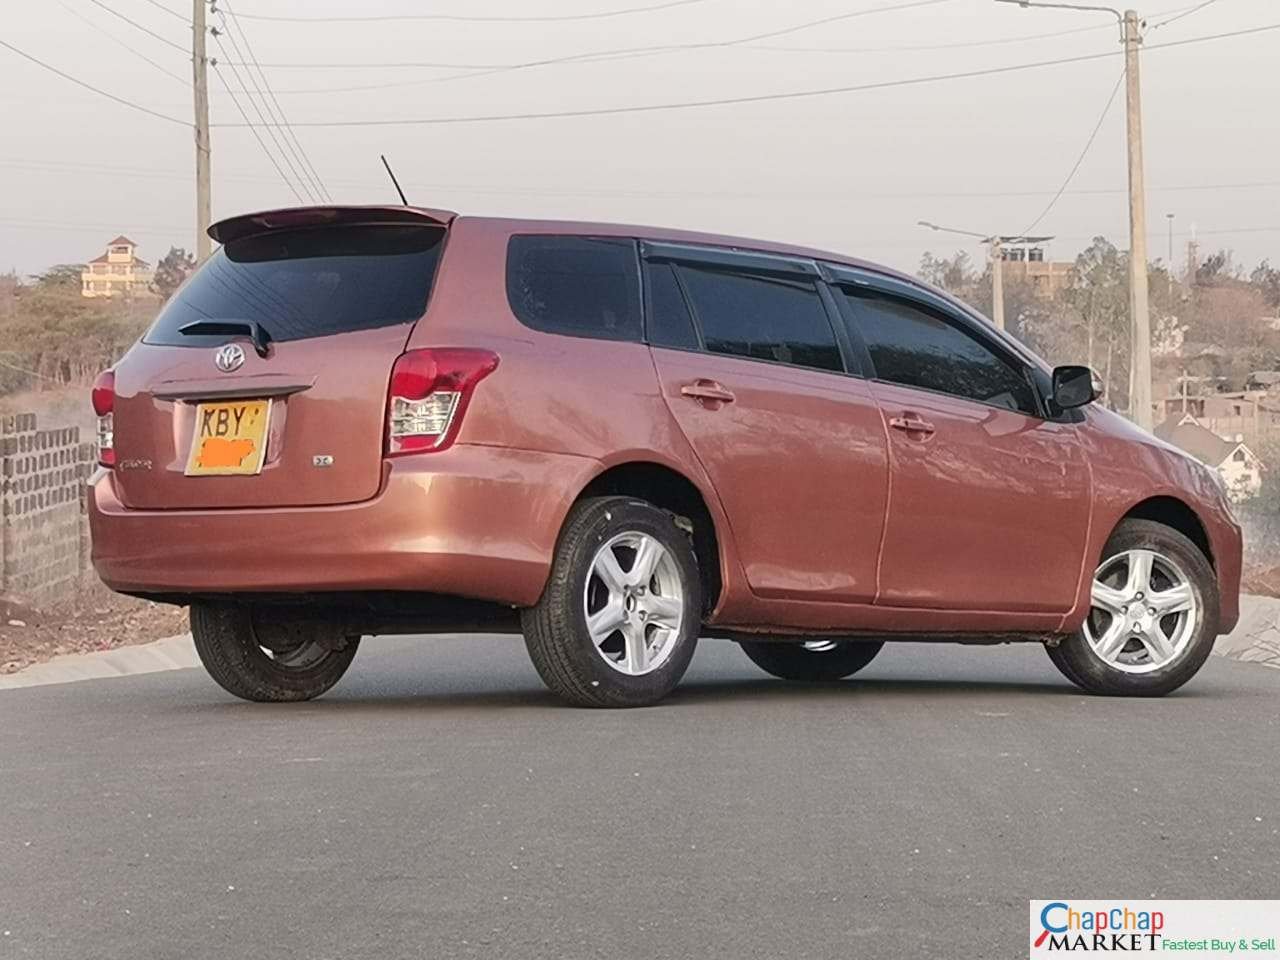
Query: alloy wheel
x=1144, y=611
x=634, y=603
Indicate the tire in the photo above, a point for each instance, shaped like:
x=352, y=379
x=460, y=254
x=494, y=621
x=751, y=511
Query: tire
x=230, y=640
x=659, y=646
x=798, y=661
x=1078, y=660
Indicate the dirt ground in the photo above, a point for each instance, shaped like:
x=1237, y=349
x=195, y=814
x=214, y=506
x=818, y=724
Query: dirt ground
x=95, y=619
x=1265, y=582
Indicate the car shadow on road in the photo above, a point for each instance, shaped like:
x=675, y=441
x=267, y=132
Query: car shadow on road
x=423, y=695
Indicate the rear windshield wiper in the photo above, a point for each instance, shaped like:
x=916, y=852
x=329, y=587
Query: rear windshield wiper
x=256, y=331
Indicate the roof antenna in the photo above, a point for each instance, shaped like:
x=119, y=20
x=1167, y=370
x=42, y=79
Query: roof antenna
x=393, y=179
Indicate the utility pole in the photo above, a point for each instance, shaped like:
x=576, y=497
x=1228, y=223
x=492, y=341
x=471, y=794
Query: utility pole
x=200, y=90
x=1139, y=309
x=997, y=282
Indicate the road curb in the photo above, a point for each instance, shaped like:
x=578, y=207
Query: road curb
x=171, y=653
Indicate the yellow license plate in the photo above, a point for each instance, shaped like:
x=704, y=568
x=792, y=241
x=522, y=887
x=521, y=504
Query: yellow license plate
x=230, y=438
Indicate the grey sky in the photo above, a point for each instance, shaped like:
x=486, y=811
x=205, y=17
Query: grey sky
x=851, y=172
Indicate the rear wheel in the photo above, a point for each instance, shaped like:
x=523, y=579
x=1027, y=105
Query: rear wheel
x=1153, y=617
x=619, y=619
x=266, y=658
x=812, y=659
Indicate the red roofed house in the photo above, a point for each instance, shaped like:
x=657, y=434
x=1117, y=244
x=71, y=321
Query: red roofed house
x=116, y=272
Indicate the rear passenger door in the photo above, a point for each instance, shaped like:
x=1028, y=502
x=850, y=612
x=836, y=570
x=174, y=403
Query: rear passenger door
x=751, y=362
x=989, y=497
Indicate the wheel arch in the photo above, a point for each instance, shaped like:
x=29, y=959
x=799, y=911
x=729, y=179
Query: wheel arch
x=669, y=489
x=1175, y=514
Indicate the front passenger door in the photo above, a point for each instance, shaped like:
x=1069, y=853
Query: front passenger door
x=989, y=501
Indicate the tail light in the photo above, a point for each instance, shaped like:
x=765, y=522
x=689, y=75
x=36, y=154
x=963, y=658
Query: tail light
x=428, y=396
x=104, y=403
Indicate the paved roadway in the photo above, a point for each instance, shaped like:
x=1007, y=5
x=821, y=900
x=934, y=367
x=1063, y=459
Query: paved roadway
x=439, y=803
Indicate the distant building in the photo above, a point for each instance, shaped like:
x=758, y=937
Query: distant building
x=117, y=272
x=1239, y=467
x=1028, y=265
x=1265, y=380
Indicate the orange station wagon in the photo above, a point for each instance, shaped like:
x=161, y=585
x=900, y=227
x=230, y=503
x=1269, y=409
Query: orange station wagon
x=354, y=421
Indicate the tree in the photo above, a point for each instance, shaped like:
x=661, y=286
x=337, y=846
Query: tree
x=62, y=276
x=955, y=275
x=1266, y=279
x=1217, y=268
x=174, y=267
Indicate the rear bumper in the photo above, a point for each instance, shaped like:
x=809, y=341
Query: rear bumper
x=471, y=521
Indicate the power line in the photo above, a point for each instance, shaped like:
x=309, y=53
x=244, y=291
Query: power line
x=1106, y=109
x=173, y=13
x=88, y=86
x=138, y=26
x=262, y=118
x=257, y=136
x=963, y=44
x=1184, y=13
x=459, y=18
x=763, y=97
x=136, y=52
x=602, y=54
x=153, y=173
x=289, y=131
x=620, y=53
x=281, y=123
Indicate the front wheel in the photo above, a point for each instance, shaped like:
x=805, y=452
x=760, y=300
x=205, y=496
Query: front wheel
x=812, y=659
x=268, y=659
x=1153, y=617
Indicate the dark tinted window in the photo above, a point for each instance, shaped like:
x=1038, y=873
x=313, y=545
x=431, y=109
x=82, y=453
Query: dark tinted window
x=308, y=283
x=916, y=348
x=575, y=285
x=764, y=318
x=670, y=324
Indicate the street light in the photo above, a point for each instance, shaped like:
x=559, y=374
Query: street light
x=1139, y=311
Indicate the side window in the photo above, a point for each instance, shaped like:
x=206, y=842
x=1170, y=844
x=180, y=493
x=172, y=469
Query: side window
x=763, y=318
x=916, y=348
x=580, y=286
x=670, y=324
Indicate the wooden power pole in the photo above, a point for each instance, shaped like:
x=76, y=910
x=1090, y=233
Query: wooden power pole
x=200, y=88
x=1139, y=310
x=997, y=282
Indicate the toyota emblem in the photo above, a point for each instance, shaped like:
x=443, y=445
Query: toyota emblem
x=229, y=358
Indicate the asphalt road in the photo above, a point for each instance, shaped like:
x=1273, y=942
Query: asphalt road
x=439, y=803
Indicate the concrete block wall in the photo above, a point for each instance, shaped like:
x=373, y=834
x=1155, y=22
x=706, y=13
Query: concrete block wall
x=43, y=525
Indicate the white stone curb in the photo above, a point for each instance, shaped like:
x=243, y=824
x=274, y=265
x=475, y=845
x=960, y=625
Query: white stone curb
x=172, y=653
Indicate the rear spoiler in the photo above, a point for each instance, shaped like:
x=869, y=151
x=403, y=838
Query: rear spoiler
x=254, y=224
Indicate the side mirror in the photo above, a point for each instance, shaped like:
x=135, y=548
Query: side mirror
x=1074, y=386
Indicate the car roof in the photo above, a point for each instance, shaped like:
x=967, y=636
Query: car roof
x=676, y=235
x=250, y=224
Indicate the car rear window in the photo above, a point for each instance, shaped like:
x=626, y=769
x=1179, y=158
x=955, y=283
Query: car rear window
x=580, y=286
x=308, y=283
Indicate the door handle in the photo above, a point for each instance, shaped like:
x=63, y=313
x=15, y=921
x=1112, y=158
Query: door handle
x=912, y=423
x=708, y=390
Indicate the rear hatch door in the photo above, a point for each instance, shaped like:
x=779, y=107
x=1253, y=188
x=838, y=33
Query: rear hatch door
x=263, y=381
